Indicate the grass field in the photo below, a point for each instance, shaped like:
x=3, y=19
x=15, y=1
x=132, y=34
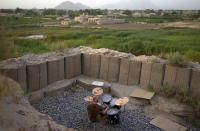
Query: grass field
x=8, y=21
x=139, y=42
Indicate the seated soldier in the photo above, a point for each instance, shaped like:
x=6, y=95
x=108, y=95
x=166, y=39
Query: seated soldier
x=95, y=110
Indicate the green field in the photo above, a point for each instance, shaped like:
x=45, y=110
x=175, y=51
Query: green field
x=13, y=21
x=139, y=42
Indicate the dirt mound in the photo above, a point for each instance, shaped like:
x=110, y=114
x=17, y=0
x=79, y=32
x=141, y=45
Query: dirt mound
x=16, y=114
x=169, y=108
x=35, y=58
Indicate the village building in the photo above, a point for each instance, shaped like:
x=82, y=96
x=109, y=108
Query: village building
x=4, y=14
x=65, y=23
x=81, y=19
x=64, y=17
x=93, y=20
x=137, y=14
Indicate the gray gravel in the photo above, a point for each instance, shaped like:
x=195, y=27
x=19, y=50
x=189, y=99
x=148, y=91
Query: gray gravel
x=71, y=110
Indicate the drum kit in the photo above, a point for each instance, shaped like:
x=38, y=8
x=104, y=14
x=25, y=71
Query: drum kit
x=115, y=104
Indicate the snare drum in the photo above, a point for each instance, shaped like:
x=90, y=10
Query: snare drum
x=113, y=116
x=106, y=98
x=112, y=103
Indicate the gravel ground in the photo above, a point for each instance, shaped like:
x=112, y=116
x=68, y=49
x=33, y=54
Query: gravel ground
x=71, y=110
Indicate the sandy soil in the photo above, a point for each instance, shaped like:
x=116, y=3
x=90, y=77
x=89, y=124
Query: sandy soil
x=124, y=26
x=181, y=24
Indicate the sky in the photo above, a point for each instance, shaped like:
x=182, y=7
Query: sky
x=164, y=4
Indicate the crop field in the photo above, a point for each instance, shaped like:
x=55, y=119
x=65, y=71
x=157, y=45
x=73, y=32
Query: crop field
x=139, y=42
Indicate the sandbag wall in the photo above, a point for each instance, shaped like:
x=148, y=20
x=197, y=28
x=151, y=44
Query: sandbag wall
x=130, y=72
x=37, y=75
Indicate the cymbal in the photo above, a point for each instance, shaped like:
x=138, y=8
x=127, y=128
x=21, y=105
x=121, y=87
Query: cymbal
x=122, y=101
x=97, y=91
x=88, y=98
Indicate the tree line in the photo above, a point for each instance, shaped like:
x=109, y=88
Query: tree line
x=71, y=13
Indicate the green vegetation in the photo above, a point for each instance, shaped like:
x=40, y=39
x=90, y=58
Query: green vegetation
x=139, y=42
x=8, y=21
x=176, y=59
x=30, y=45
x=155, y=60
x=74, y=86
x=7, y=49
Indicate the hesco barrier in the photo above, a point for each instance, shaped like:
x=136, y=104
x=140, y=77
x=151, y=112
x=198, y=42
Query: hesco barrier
x=77, y=64
x=157, y=75
x=177, y=77
x=124, y=71
x=16, y=73
x=145, y=75
x=86, y=64
x=104, y=68
x=95, y=64
x=113, y=70
x=195, y=82
x=134, y=73
x=72, y=66
x=55, y=70
x=36, y=76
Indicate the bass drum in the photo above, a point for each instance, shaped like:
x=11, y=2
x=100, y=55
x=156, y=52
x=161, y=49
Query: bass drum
x=113, y=116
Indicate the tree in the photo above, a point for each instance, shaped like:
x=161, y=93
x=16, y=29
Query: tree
x=9, y=11
x=174, y=13
x=159, y=12
x=31, y=12
x=73, y=14
x=49, y=12
x=127, y=12
x=147, y=11
x=61, y=12
x=198, y=14
x=19, y=10
x=93, y=11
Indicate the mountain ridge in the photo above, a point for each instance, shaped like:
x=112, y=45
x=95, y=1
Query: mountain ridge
x=68, y=5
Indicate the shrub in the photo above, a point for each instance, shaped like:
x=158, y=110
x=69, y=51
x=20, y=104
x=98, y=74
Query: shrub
x=155, y=60
x=176, y=59
x=167, y=92
x=194, y=55
x=30, y=46
x=7, y=49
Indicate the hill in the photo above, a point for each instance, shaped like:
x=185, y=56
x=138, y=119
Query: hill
x=67, y=5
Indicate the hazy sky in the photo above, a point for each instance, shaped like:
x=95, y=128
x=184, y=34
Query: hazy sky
x=173, y=4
